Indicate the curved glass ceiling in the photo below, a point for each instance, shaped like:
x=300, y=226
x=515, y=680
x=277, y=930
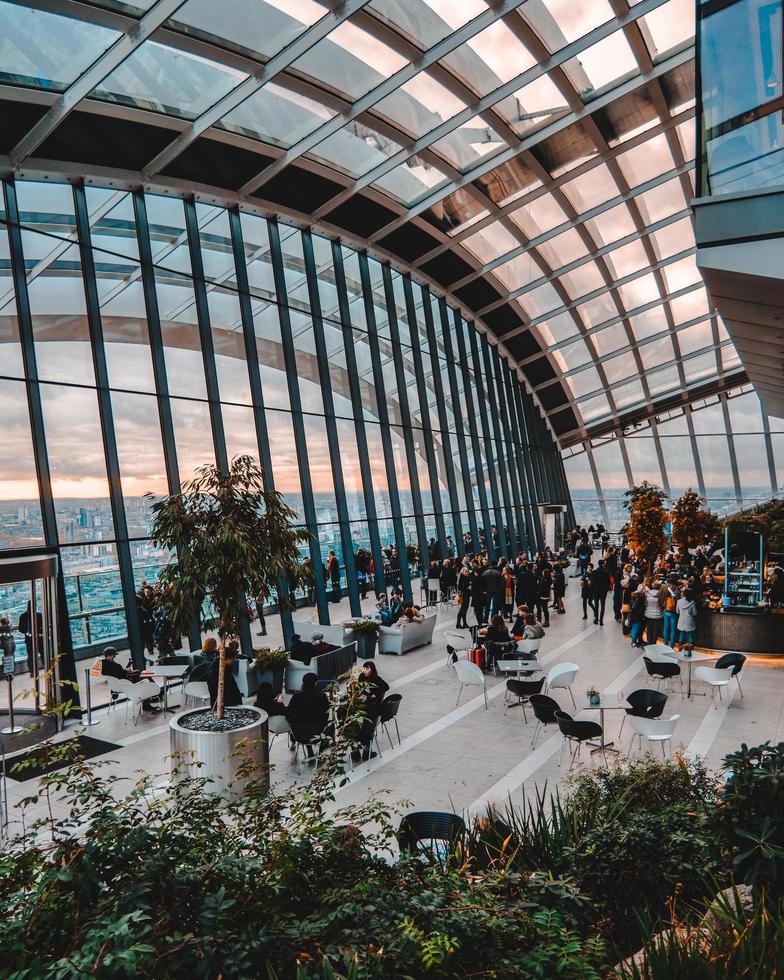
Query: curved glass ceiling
x=542, y=149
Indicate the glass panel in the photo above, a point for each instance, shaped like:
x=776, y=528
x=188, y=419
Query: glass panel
x=47, y=50
x=591, y=189
x=602, y=63
x=137, y=429
x=643, y=460
x=20, y=510
x=679, y=463
x=427, y=21
x=646, y=161
x=356, y=149
x=10, y=346
x=673, y=238
x=181, y=340
x=261, y=28
x=518, y=272
x=192, y=435
x=533, y=106
x=276, y=115
x=470, y=143
x=558, y=22
x=280, y=432
x=668, y=26
x=490, y=58
x=239, y=427
x=168, y=80
x=350, y=60
x=409, y=182
x=420, y=104
x=76, y=460
x=609, y=226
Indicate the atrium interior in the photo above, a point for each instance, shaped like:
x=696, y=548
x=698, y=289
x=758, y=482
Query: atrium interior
x=478, y=307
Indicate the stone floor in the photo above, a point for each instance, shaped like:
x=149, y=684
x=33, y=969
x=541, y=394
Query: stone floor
x=462, y=756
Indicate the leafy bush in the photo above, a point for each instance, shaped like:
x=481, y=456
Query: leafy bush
x=275, y=659
x=748, y=820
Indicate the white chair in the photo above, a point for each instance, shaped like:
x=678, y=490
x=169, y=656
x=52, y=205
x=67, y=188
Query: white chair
x=277, y=725
x=654, y=729
x=563, y=675
x=716, y=678
x=134, y=694
x=529, y=646
x=458, y=642
x=469, y=674
x=433, y=589
x=196, y=691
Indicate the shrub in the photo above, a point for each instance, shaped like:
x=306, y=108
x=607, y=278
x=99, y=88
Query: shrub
x=748, y=820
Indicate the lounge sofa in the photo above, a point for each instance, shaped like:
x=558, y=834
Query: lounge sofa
x=406, y=636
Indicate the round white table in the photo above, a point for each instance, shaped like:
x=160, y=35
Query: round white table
x=697, y=658
x=605, y=704
x=167, y=673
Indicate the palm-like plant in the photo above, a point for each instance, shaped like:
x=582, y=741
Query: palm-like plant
x=233, y=539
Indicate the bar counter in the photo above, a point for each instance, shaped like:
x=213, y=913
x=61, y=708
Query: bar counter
x=741, y=631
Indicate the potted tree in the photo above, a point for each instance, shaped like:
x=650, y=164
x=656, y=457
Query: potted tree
x=231, y=538
x=270, y=666
x=365, y=633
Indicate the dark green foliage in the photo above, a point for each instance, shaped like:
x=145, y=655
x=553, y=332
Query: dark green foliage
x=749, y=821
x=177, y=882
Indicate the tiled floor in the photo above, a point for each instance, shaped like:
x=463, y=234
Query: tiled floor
x=463, y=756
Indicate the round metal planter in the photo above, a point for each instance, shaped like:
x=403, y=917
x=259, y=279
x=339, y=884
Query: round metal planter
x=220, y=756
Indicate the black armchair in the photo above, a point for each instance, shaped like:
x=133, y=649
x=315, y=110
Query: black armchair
x=645, y=703
x=578, y=732
x=544, y=711
x=523, y=690
x=416, y=828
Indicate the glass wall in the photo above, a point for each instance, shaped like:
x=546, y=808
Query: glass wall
x=161, y=334
x=742, y=110
x=724, y=447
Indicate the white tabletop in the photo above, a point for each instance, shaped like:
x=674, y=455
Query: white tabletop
x=169, y=670
x=694, y=658
x=606, y=703
x=513, y=666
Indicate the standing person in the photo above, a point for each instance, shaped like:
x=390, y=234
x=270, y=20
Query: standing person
x=494, y=587
x=653, y=612
x=394, y=566
x=584, y=552
x=637, y=615
x=559, y=588
x=586, y=589
x=446, y=579
x=259, y=601
x=463, y=597
x=600, y=586
x=669, y=603
x=526, y=586
x=509, y=582
x=450, y=547
x=478, y=596
x=333, y=570
x=25, y=626
x=543, y=595
x=687, y=617
x=145, y=604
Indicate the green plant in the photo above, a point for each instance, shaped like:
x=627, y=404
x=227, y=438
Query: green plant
x=275, y=659
x=232, y=539
x=748, y=820
x=592, y=693
x=366, y=627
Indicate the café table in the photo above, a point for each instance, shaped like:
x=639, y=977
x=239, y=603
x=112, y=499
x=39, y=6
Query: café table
x=520, y=666
x=695, y=657
x=167, y=673
x=605, y=704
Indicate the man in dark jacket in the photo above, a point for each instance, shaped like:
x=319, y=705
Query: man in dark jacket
x=494, y=587
x=600, y=586
x=526, y=586
x=110, y=668
x=308, y=711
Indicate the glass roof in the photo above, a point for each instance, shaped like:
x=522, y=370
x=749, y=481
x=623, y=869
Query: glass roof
x=543, y=154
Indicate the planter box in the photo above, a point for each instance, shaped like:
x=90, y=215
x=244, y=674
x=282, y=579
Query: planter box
x=366, y=645
x=219, y=756
x=274, y=677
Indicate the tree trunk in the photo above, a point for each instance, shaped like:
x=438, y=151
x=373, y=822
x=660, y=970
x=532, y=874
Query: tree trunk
x=221, y=674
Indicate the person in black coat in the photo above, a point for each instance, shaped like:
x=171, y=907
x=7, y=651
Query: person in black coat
x=559, y=588
x=494, y=590
x=145, y=604
x=526, y=586
x=25, y=626
x=308, y=711
x=232, y=697
x=110, y=668
x=464, y=579
x=478, y=597
x=300, y=650
x=600, y=586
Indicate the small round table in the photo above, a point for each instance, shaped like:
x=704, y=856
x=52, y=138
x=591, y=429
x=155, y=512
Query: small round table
x=605, y=704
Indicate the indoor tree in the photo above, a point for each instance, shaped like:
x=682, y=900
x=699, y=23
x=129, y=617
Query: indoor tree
x=647, y=519
x=692, y=522
x=232, y=539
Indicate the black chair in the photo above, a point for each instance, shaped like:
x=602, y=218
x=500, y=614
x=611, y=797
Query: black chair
x=429, y=826
x=663, y=671
x=578, y=732
x=327, y=684
x=176, y=660
x=645, y=703
x=389, y=708
x=523, y=690
x=495, y=651
x=544, y=712
x=735, y=660
x=308, y=736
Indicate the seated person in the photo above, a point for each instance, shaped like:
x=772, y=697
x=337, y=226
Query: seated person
x=370, y=692
x=519, y=623
x=232, y=697
x=300, y=650
x=209, y=649
x=319, y=645
x=268, y=701
x=392, y=611
x=497, y=631
x=110, y=668
x=308, y=709
x=412, y=614
x=532, y=630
